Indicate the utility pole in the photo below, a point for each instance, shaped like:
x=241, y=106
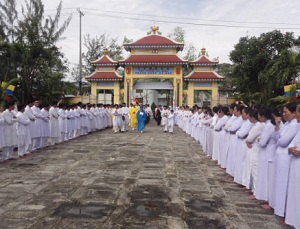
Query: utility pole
x=80, y=55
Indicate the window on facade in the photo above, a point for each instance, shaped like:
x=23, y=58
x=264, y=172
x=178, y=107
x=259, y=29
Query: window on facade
x=139, y=90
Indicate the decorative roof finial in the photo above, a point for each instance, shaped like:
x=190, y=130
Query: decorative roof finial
x=154, y=29
x=105, y=51
x=203, y=51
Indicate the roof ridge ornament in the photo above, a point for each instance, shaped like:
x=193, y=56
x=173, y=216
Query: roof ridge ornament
x=154, y=30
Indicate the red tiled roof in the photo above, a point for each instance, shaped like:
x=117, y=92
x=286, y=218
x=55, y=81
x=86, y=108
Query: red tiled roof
x=203, y=60
x=105, y=76
x=153, y=40
x=153, y=59
x=203, y=76
x=105, y=61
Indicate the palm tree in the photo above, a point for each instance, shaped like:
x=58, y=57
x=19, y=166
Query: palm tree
x=279, y=72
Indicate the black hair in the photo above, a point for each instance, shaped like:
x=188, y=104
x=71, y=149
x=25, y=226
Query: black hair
x=265, y=111
x=232, y=106
x=247, y=110
x=20, y=107
x=239, y=108
x=215, y=109
x=292, y=107
x=254, y=114
x=9, y=103
x=225, y=110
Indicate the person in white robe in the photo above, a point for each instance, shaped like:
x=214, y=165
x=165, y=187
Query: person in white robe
x=54, y=124
x=45, y=125
x=23, y=131
x=62, y=121
x=171, y=120
x=77, y=129
x=89, y=118
x=125, y=118
x=10, y=135
x=227, y=157
x=241, y=146
x=70, y=122
x=165, y=116
x=38, y=123
x=293, y=195
x=30, y=115
x=1, y=130
x=253, y=148
x=233, y=151
x=223, y=117
x=211, y=131
x=117, y=118
x=267, y=143
x=282, y=157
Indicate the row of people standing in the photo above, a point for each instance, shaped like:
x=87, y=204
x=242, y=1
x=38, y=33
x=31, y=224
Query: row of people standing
x=34, y=126
x=257, y=149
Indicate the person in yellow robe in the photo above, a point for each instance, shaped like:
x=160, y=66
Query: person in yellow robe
x=133, y=116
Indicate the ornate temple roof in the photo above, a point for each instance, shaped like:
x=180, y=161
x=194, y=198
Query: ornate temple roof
x=153, y=60
x=104, y=76
x=203, y=76
x=203, y=60
x=154, y=40
x=104, y=61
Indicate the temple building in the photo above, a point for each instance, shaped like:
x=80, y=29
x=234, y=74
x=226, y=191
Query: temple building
x=153, y=73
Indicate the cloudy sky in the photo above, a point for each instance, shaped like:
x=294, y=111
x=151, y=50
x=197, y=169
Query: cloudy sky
x=216, y=25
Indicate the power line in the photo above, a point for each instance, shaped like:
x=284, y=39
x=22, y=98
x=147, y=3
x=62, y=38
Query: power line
x=197, y=24
x=194, y=19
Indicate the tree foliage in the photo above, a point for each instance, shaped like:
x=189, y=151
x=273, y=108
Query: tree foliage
x=30, y=51
x=95, y=47
x=177, y=34
x=254, y=57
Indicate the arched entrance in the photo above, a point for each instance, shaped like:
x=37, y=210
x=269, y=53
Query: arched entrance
x=157, y=91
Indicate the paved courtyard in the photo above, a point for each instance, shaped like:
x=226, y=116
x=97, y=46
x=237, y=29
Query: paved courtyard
x=131, y=180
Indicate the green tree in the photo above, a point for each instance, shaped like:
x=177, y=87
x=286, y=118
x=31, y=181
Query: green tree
x=41, y=65
x=251, y=56
x=280, y=71
x=95, y=47
x=177, y=34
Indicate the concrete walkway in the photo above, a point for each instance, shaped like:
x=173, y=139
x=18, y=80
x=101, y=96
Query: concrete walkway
x=131, y=180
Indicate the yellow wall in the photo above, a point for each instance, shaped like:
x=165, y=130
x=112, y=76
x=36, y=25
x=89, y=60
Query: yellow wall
x=192, y=88
x=116, y=88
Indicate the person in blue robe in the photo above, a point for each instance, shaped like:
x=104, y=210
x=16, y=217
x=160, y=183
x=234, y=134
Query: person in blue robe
x=142, y=117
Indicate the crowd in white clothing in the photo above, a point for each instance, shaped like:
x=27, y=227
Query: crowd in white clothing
x=35, y=126
x=258, y=150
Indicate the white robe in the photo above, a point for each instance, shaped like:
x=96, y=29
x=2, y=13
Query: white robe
x=293, y=197
x=1, y=131
x=250, y=170
x=233, y=151
x=54, y=124
x=23, y=133
x=282, y=165
x=266, y=154
x=10, y=133
x=38, y=123
x=171, y=122
x=241, y=150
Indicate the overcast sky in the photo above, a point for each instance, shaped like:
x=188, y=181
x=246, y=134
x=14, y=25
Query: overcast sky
x=216, y=25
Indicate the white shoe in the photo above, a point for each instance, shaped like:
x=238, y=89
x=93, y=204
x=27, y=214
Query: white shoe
x=141, y=132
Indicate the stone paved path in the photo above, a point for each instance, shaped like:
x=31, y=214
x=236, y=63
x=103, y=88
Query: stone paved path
x=105, y=180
